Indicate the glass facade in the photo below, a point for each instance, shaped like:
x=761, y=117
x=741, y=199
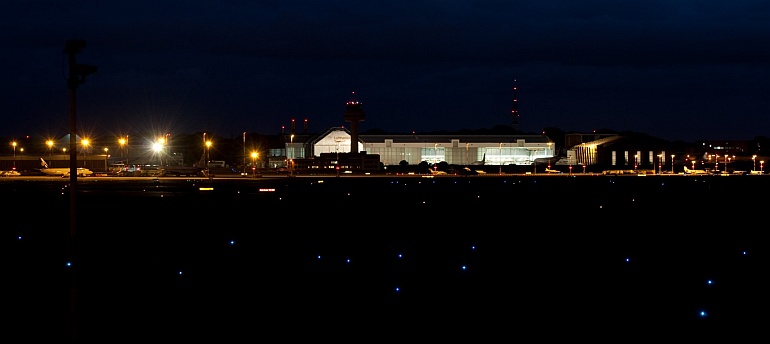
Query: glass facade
x=452, y=151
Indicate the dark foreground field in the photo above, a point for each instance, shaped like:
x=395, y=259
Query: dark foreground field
x=384, y=258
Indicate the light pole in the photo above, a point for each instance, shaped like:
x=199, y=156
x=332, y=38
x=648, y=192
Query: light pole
x=157, y=148
x=14, y=154
x=725, y=164
x=106, y=157
x=291, y=160
x=128, y=150
x=501, y=159
x=660, y=164
x=754, y=162
x=693, y=165
x=761, y=168
x=208, y=155
x=122, y=142
x=254, y=164
x=21, y=150
x=733, y=159
x=85, y=143
x=49, y=143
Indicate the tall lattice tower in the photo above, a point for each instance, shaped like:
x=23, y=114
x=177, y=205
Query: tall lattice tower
x=354, y=114
x=515, y=107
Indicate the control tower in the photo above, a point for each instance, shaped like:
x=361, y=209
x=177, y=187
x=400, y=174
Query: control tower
x=354, y=114
x=515, y=107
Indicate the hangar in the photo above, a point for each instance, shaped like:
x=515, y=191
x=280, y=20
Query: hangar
x=394, y=149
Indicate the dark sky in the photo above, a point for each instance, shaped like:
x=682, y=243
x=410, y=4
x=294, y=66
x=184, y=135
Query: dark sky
x=679, y=70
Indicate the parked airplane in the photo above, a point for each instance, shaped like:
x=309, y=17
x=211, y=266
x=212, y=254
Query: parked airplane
x=62, y=171
x=11, y=173
x=437, y=172
x=182, y=171
x=468, y=171
x=482, y=161
x=689, y=171
x=548, y=170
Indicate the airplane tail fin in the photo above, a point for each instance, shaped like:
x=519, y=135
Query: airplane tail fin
x=482, y=161
x=43, y=163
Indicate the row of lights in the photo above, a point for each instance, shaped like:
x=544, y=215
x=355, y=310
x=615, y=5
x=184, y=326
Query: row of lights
x=158, y=146
x=728, y=159
x=123, y=142
x=660, y=162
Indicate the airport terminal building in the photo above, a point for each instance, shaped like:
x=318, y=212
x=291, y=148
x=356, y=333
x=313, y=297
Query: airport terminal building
x=454, y=149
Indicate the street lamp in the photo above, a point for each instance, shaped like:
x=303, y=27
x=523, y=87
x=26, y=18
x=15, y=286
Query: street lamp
x=733, y=159
x=22, y=157
x=291, y=159
x=121, y=142
x=208, y=155
x=754, y=162
x=501, y=159
x=14, y=154
x=162, y=142
x=106, y=156
x=693, y=165
x=85, y=143
x=124, y=142
x=50, y=148
x=157, y=147
x=254, y=163
x=244, y=154
x=761, y=168
x=660, y=164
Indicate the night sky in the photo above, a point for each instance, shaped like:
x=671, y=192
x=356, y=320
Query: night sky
x=678, y=70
